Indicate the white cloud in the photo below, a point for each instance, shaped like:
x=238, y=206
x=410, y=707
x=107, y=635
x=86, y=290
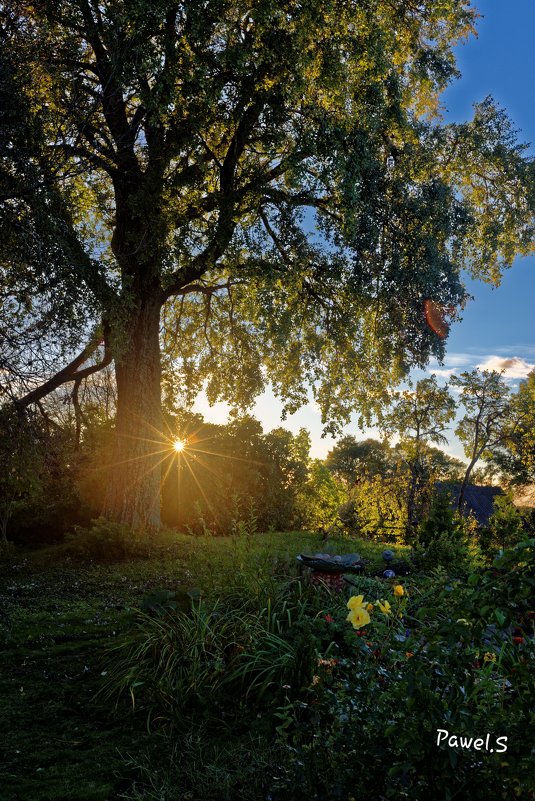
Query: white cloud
x=445, y=373
x=459, y=359
x=453, y=363
x=512, y=367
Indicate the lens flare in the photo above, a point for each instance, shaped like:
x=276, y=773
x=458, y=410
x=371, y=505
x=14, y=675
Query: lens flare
x=435, y=316
x=179, y=445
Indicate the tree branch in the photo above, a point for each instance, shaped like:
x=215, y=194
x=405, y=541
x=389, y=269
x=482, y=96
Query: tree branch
x=197, y=287
x=71, y=371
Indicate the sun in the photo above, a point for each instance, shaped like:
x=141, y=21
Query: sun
x=179, y=445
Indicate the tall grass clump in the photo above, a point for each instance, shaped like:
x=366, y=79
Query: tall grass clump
x=217, y=659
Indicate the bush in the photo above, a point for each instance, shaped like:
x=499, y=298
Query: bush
x=506, y=525
x=106, y=541
x=440, y=538
x=38, y=468
x=451, y=662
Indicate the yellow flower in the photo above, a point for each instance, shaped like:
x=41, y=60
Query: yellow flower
x=358, y=617
x=489, y=657
x=384, y=606
x=370, y=607
x=398, y=591
x=355, y=602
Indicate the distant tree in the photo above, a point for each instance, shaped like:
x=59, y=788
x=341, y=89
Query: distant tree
x=515, y=453
x=287, y=472
x=489, y=416
x=419, y=416
x=354, y=460
x=161, y=166
x=379, y=479
x=485, y=475
x=319, y=498
x=441, y=466
x=226, y=473
x=380, y=506
x=290, y=453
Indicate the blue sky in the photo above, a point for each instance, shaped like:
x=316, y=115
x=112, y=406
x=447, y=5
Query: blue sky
x=500, y=62
x=497, y=330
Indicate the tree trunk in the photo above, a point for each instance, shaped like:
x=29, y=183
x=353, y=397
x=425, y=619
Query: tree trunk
x=464, y=484
x=133, y=493
x=412, y=494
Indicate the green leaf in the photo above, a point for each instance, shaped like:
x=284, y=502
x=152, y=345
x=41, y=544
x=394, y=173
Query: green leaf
x=500, y=617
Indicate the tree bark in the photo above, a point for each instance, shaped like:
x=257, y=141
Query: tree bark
x=133, y=493
x=476, y=453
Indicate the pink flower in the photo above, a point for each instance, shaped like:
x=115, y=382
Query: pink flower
x=329, y=618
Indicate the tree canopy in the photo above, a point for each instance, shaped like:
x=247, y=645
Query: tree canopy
x=488, y=416
x=351, y=460
x=515, y=454
x=219, y=194
x=419, y=416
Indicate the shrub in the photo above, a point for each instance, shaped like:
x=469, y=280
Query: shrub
x=451, y=662
x=506, y=525
x=38, y=468
x=106, y=541
x=440, y=538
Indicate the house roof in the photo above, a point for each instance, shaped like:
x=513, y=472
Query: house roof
x=478, y=501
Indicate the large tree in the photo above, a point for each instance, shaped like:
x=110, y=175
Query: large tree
x=164, y=165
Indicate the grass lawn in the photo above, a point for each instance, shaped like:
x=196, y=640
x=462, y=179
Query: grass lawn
x=57, y=618
x=448, y=654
